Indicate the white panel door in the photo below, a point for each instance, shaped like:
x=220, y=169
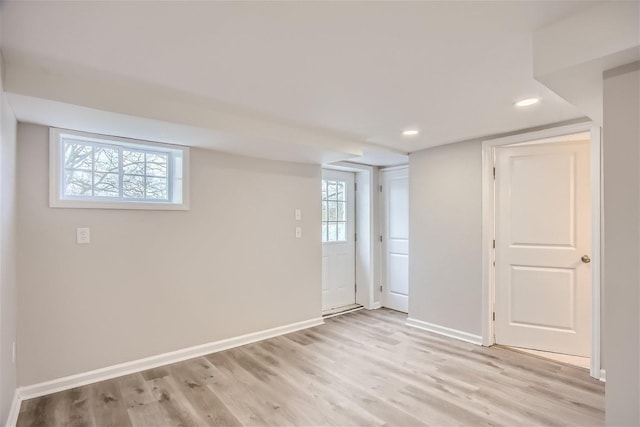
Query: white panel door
x=338, y=239
x=395, y=239
x=543, y=220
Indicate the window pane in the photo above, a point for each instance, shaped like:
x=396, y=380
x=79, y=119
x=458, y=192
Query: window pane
x=324, y=211
x=342, y=231
x=331, y=190
x=342, y=214
x=332, y=232
x=77, y=183
x=157, y=164
x=157, y=189
x=78, y=156
x=133, y=162
x=133, y=186
x=332, y=211
x=324, y=232
x=106, y=160
x=106, y=185
x=340, y=189
x=324, y=185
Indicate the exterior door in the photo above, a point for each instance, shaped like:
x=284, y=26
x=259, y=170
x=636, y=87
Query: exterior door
x=338, y=239
x=395, y=239
x=543, y=244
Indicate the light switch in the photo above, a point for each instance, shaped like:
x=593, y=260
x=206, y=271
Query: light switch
x=298, y=232
x=298, y=214
x=82, y=236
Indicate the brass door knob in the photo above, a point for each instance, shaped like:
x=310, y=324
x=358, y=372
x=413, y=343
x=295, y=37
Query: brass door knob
x=586, y=259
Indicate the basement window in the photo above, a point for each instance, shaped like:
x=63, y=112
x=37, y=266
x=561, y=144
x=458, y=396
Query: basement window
x=97, y=171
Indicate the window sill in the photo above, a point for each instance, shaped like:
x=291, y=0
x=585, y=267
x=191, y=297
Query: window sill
x=82, y=204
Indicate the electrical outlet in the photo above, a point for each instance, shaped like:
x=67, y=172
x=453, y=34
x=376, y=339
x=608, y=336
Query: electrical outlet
x=298, y=215
x=298, y=232
x=83, y=236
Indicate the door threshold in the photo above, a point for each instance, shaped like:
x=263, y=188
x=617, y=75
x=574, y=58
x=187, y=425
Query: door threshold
x=569, y=359
x=341, y=310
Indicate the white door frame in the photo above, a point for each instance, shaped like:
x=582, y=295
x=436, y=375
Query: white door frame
x=488, y=228
x=367, y=248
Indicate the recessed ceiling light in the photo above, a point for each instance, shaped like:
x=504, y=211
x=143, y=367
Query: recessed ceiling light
x=410, y=132
x=527, y=102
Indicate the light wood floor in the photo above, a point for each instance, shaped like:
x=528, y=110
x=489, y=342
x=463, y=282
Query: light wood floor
x=363, y=368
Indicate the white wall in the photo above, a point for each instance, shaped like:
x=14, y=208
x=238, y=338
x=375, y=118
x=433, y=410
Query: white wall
x=152, y=282
x=8, y=250
x=445, y=219
x=621, y=157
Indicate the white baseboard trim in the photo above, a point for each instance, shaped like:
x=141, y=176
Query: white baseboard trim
x=375, y=306
x=12, y=419
x=603, y=376
x=66, y=383
x=443, y=330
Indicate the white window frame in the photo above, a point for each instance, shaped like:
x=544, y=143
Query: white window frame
x=347, y=225
x=178, y=184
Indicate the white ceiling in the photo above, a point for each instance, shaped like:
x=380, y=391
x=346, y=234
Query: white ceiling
x=360, y=72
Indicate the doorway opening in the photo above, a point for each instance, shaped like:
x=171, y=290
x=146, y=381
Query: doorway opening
x=338, y=241
x=365, y=206
x=394, y=219
x=541, y=243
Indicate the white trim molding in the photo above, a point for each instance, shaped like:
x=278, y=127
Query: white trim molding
x=603, y=375
x=443, y=330
x=597, y=249
x=488, y=214
x=14, y=411
x=114, y=371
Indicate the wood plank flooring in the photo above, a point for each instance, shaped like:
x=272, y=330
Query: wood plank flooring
x=364, y=368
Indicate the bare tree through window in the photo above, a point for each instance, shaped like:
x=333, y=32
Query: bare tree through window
x=334, y=211
x=113, y=172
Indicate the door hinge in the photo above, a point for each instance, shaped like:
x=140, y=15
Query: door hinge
x=380, y=288
x=355, y=287
x=494, y=173
x=494, y=316
x=355, y=186
x=355, y=237
x=381, y=188
x=381, y=238
x=494, y=243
